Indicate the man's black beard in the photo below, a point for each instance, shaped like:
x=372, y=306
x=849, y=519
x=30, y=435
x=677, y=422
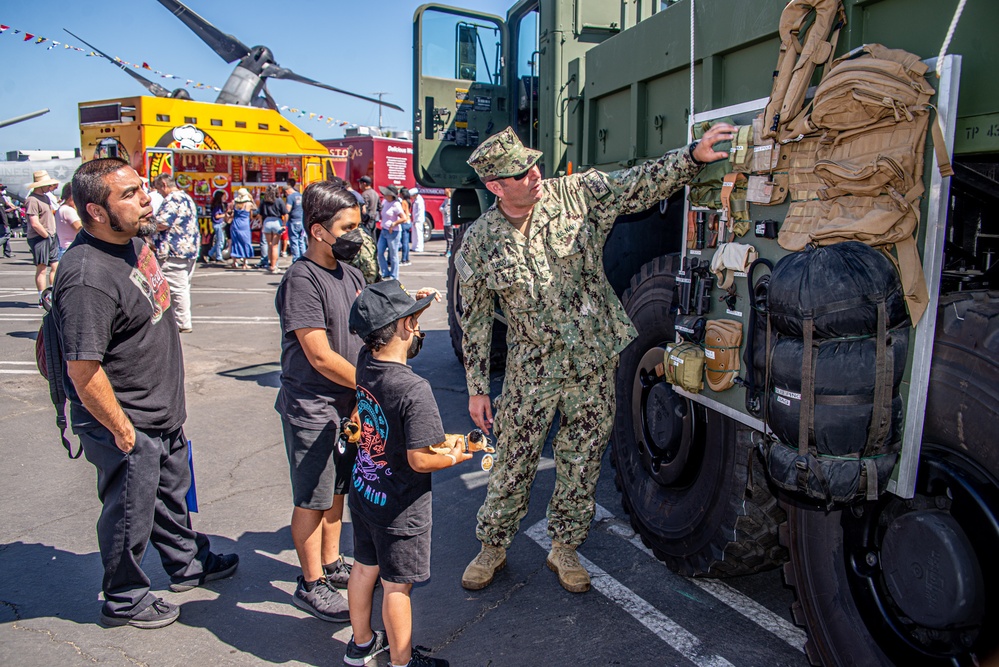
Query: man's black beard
x=145, y=230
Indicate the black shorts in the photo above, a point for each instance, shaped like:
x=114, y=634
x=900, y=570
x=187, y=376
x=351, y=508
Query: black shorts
x=400, y=559
x=318, y=470
x=44, y=251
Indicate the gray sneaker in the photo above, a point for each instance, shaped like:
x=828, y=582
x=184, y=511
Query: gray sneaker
x=322, y=601
x=157, y=615
x=337, y=573
x=358, y=657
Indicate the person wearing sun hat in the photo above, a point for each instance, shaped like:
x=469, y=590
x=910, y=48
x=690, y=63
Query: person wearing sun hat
x=239, y=230
x=41, y=230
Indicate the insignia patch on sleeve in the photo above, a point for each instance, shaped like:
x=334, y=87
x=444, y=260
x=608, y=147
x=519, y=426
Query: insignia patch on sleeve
x=596, y=185
x=461, y=266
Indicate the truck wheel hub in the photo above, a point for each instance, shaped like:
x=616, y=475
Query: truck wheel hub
x=931, y=571
x=663, y=422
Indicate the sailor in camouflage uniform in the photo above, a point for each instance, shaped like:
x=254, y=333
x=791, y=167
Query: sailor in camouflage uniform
x=367, y=258
x=539, y=250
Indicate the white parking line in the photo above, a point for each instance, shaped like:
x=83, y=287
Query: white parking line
x=751, y=609
x=682, y=641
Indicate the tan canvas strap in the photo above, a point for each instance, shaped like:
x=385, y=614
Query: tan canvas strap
x=940, y=148
x=800, y=53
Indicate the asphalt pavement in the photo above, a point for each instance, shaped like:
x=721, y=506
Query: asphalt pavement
x=638, y=613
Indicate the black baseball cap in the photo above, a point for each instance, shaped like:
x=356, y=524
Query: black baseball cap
x=381, y=304
x=365, y=179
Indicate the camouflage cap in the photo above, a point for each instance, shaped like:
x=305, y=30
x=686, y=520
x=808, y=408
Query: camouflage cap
x=501, y=156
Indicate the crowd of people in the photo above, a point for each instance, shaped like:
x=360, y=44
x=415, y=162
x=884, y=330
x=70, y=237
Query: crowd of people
x=345, y=346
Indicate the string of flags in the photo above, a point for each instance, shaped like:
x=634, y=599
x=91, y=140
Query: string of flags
x=54, y=44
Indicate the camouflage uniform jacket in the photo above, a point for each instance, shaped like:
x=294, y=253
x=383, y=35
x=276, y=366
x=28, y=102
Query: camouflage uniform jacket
x=367, y=259
x=564, y=319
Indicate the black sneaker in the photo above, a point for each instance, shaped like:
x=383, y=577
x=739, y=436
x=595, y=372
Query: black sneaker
x=157, y=615
x=337, y=573
x=357, y=656
x=421, y=660
x=219, y=566
x=323, y=601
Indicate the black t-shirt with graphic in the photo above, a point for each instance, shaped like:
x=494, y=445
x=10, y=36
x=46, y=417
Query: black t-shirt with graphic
x=398, y=413
x=110, y=304
x=313, y=297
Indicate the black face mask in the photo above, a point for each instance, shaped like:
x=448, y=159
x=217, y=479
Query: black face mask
x=347, y=246
x=416, y=344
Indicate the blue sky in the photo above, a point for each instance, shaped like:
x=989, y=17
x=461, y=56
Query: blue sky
x=364, y=47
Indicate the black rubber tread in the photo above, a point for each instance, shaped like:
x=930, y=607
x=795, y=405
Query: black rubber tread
x=726, y=518
x=497, y=355
x=962, y=415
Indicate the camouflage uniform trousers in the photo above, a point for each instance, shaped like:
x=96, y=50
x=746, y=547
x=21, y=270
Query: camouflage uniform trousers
x=524, y=414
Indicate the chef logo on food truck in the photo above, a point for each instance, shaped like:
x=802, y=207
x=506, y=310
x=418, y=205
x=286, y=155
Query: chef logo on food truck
x=188, y=137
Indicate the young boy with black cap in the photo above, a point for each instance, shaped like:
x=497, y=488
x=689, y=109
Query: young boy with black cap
x=390, y=496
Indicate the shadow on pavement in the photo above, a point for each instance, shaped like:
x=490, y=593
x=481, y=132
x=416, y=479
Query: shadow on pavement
x=265, y=375
x=252, y=612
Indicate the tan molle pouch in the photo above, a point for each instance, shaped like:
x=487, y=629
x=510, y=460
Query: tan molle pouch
x=741, y=152
x=722, y=340
x=683, y=366
x=735, y=209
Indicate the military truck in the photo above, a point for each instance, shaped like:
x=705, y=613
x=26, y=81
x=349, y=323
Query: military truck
x=901, y=579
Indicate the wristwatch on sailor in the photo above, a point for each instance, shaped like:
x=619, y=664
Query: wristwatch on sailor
x=690, y=150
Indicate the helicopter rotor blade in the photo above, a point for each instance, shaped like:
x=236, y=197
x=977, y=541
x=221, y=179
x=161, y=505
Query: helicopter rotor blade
x=227, y=46
x=276, y=72
x=267, y=95
x=153, y=87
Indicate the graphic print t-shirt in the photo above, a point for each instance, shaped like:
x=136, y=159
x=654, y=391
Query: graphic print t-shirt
x=398, y=413
x=110, y=303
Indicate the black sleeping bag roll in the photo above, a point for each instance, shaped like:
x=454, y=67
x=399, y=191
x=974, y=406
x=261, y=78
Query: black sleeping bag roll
x=839, y=286
x=844, y=392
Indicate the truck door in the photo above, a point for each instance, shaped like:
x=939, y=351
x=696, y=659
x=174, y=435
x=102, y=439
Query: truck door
x=461, y=91
x=312, y=169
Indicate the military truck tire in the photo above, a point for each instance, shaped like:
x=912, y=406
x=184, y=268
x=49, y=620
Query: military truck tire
x=848, y=567
x=455, y=308
x=686, y=474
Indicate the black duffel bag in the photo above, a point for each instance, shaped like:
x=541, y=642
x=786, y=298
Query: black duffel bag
x=844, y=387
x=832, y=408
x=838, y=288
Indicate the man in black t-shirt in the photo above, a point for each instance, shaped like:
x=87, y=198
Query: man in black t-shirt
x=390, y=497
x=317, y=389
x=126, y=392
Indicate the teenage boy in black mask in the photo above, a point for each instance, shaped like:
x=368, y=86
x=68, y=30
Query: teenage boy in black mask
x=318, y=388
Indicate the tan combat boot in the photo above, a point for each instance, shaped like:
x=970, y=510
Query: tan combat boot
x=483, y=567
x=565, y=563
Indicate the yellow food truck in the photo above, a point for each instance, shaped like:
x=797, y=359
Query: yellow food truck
x=207, y=147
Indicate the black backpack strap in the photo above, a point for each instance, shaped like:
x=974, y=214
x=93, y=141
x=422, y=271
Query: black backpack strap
x=757, y=309
x=806, y=412
x=54, y=365
x=884, y=362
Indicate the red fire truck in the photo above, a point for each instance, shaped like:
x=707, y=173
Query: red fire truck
x=388, y=161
